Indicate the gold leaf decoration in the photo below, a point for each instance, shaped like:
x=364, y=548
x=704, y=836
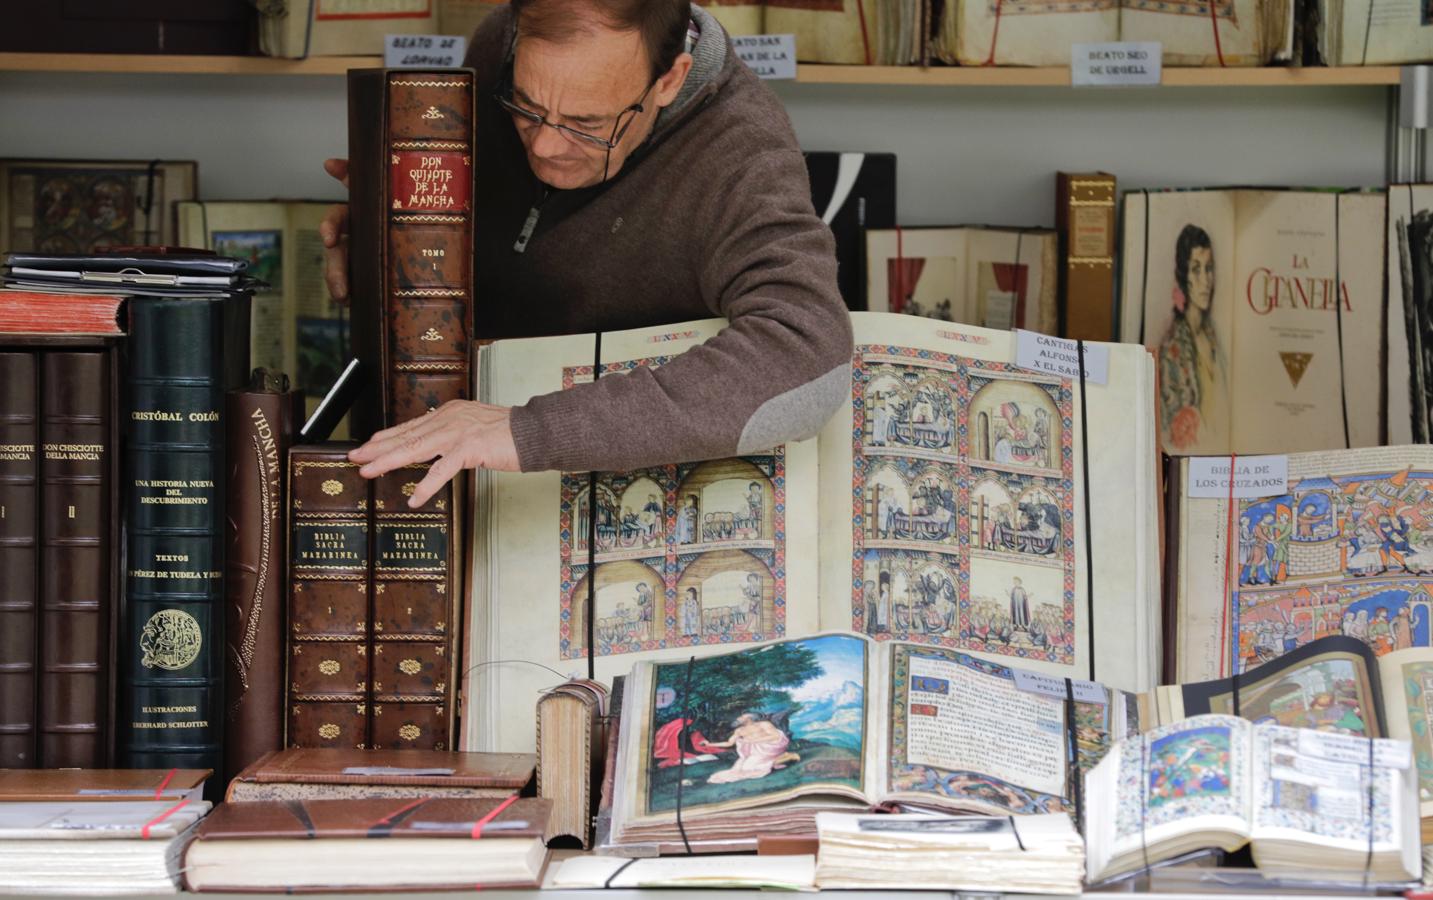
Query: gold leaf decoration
x=328, y=731
x=329, y=667
x=410, y=667
x=333, y=487
x=410, y=732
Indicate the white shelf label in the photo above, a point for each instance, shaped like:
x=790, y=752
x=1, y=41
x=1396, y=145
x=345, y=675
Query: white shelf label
x=424, y=51
x=1254, y=476
x=1061, y=356
x=1116, y=64
x=771, y=56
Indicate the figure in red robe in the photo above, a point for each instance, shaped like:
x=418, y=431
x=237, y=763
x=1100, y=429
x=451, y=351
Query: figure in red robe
x=666, y=749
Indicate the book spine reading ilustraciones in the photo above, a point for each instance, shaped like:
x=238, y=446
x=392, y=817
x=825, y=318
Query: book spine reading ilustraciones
x=330, y=586
x=184, y=353
x=411, y=154
x=18, y=571
x=414, y=608
x=76, y=557
x=262, y=420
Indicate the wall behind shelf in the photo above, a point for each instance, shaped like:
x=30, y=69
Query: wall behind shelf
x=965, y=155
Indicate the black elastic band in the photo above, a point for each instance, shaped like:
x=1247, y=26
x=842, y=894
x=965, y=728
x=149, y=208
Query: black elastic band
x=1016, y=831
x=1015, y=273
x=1089, y=543
x=1077, y=787
x=590, y=614
x=620, y=869
x=1234, y=678
x=1367, y=30
x=1338, y=307
x=149, y=228
x=682, y=748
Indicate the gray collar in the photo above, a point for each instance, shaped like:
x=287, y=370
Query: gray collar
x=708, y=57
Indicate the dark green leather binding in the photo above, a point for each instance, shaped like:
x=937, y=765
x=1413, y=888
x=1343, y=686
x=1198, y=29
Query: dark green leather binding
x=184, y=353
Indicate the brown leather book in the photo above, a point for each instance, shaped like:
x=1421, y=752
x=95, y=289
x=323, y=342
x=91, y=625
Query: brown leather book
x=19, y=573
x=305, y=773
x=416, y=608
x=262, y=421
x=327, y=660
x=62, y=785
x=1085, y=219
x=368, y=845
x=410, y=148
x=571, y=746
x=78, y=580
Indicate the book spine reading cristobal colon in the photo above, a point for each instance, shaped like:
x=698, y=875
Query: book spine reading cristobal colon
x=184, y=353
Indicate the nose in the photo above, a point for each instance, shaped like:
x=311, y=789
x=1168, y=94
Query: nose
x=547, y=143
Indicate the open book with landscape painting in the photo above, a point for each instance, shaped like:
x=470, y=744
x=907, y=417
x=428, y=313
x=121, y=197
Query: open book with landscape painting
x=944, y=504
x=724, y=747
x=1312, y=806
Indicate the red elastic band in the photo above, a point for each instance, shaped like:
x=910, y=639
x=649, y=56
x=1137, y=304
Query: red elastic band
x=159, y=791
x=1214, y=18
x=865, y=38
x=402, y=809
x=144, y=832
x=995, y=35
x=1228, y=560
x=900, y=272
x=478, y=825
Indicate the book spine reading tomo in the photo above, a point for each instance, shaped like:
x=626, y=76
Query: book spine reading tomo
x=19, y=580
x=414, y=611
x=262, y=421
x=185, y=353
x=411, y=156
x=76, y=557
x=330, y=583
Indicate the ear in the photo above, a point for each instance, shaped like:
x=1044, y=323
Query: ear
x=670, y=84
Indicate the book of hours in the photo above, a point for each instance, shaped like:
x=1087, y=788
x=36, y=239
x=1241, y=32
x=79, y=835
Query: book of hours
x=943, y=504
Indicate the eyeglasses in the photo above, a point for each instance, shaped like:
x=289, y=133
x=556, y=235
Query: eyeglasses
x=619, y=128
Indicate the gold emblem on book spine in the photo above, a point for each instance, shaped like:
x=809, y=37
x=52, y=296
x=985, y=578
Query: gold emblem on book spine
x=328, y=731
x=432, y=334
x=170, y=640
x=432, y=113
x=410, y=732
x=409, y=488
x=410, y=667
x=329, y=667
x=333, y=487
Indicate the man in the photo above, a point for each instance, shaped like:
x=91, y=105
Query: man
x=623, y=181
x=1019, y=606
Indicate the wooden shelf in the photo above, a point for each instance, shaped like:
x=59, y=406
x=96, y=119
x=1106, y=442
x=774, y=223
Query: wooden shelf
x=807, y=74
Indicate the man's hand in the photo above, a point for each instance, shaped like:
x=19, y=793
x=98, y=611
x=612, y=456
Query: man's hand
x=462, y=434
x=334, y=232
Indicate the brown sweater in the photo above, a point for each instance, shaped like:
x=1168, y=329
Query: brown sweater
x=711, y=216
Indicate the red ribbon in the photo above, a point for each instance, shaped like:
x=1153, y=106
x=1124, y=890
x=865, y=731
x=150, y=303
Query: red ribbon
x=865, y=38
x=159, y=791
x=995, y=35
x=402, y=809
x=478, y=826
x=144, y=832
x=1219, y=48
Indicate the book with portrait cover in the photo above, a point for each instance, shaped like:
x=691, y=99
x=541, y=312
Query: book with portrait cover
x=943, y=504
x=1233, y=290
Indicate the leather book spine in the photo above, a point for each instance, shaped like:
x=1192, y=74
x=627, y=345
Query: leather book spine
x=19, y=570
x=262, y=424
x=330, y=583
x=77, y=444
x=1085, y=218
x=415, y=606
x=184, y=354
x=411, y=157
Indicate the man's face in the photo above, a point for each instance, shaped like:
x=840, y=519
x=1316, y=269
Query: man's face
x=585, y=83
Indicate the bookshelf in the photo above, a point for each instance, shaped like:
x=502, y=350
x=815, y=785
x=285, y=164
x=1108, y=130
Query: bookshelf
x=911, y=76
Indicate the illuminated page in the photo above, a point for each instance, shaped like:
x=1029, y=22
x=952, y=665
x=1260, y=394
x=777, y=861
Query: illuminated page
x=1031, y=32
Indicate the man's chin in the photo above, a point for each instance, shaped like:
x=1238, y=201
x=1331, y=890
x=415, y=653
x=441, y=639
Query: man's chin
x=562, y=175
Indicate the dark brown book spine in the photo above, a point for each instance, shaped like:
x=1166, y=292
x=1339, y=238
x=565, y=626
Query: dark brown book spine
x=411, y=157
x=328, y=658
x=19, y=581
x=77, y=452
x=1085, y=219
x=262, y=421
x=415, y=610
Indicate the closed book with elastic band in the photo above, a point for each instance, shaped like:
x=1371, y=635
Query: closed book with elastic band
x=387, y=844
x=328, y=773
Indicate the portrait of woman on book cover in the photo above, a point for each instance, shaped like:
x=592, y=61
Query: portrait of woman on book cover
x=1191, y=366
